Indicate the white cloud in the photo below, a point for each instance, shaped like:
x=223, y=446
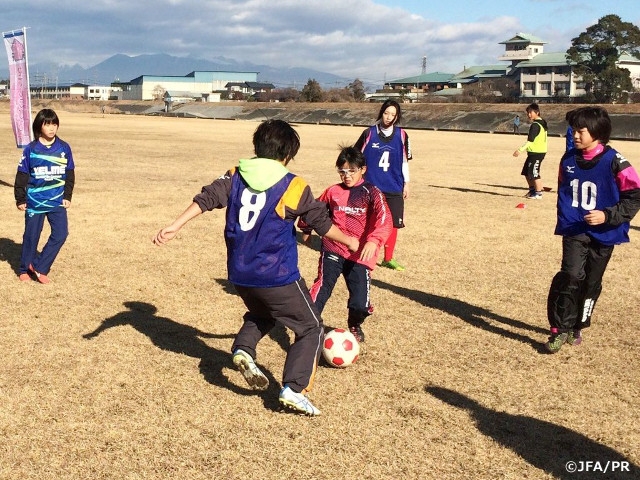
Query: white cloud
x=350, y=38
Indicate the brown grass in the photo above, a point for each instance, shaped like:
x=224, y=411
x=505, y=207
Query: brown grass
x=120, y=369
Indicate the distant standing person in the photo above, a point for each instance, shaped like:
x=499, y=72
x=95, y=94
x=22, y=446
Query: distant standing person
x=516, y=124
x=536, y=148
x=43, y=189
x=598, y=195
x=569, y=143
x=387, y=152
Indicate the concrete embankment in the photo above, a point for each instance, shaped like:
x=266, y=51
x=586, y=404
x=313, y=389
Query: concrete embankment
x=485, y=118
x=469, y=117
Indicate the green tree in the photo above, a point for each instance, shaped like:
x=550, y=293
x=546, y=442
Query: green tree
x=311, y=92
x=596, y=52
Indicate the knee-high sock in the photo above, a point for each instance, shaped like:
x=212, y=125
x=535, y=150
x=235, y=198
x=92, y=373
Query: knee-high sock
x=390, y=245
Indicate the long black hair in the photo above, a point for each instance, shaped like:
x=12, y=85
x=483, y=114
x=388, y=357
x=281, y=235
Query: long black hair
x=391, y=103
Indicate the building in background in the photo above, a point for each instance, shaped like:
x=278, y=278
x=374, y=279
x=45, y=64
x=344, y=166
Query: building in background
x=199, y=85
x=536, y=75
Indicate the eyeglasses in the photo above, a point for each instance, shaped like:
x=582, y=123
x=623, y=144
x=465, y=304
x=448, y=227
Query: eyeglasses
x=348, y=173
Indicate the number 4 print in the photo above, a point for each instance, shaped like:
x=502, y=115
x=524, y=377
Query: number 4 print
x=384, y=161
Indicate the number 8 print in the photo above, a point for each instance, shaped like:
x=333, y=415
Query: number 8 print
x=252, y=203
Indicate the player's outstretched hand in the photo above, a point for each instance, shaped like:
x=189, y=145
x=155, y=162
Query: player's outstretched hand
x=164, y=235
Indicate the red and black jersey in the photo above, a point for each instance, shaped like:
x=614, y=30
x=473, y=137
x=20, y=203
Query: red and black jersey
x=360, y=211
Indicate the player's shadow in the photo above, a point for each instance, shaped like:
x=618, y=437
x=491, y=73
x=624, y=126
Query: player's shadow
x=175, y=337
x=5, y=184
x=543, y=444
x=10, y=252
x=472, y=190
x=278, y=333
x=472, y=314
x=632, y=227
x=314, y=242
x=510, y=187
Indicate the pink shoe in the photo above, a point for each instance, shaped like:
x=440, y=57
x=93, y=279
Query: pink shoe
x=24, y=277
x=41, y=277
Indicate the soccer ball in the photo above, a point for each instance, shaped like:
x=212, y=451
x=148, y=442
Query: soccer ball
x=340, y=348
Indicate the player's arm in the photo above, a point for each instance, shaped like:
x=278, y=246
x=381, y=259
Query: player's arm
x=405, y=164
x=304, y=226
x=69, y=183
x=212, y=196
x=298, y=201
x=170, y=231
x=629, y=185
x=534, y=130
x=20, y=189
x=362, y=141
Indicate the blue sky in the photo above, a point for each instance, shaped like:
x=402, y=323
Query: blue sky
x=374, y=40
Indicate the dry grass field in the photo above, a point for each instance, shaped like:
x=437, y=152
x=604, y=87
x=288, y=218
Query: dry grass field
x=120, y=368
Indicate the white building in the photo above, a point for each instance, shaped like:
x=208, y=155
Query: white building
x=199, y=84
x=101, y=92
x=541, y=75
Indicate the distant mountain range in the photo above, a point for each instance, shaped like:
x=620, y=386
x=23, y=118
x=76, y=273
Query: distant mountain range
x=124, y=68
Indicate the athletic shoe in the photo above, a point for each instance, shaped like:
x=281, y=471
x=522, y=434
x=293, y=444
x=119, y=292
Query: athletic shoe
x=24, y=277
x=529, y=193
x=556, y=340
x=357, y=332
x=535, y=196
x=393, y=265
x=252, y=374
x=574, y=337
x=297, y=402
x=41, y=277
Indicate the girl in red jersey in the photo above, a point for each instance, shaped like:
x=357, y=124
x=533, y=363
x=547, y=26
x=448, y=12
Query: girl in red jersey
x=358, y=209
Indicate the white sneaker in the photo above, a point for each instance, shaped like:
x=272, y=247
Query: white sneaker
x=297, y=402
x=252, y=374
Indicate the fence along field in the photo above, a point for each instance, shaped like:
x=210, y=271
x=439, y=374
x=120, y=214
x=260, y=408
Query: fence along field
x=121, y=367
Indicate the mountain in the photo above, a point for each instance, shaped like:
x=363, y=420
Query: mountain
x=124, y=68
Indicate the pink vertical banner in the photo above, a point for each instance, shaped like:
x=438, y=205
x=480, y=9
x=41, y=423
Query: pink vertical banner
x=20, y=103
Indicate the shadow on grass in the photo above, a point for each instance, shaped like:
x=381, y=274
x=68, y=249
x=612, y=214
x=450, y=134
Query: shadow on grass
x=634, y=227
x=175, y=337
x=472, y=190
x=5, y=184
x=10, y=252
x=473, y=315
x=314, y=243
x=544, y=445
x=510, y=187
x=278, y=333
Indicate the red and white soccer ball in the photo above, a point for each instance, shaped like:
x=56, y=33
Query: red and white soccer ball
x=340, y=348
